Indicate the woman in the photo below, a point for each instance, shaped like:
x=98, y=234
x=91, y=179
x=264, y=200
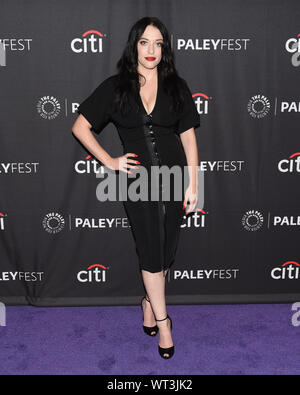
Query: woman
x=155, y=115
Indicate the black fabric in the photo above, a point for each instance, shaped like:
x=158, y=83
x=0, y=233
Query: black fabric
x=96, y=107
x=154, y=138
x=190, y=117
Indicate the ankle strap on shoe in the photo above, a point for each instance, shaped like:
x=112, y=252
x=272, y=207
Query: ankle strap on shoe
x=163, y=318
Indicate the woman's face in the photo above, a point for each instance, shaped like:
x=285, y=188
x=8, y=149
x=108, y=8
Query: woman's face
x=149, y=47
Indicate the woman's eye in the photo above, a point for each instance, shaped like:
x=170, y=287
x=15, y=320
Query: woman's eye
x=141, y=42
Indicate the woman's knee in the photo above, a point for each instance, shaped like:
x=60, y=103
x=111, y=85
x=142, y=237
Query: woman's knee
x=153, y=271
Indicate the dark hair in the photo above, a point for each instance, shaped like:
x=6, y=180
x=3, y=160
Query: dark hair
x=128, y=80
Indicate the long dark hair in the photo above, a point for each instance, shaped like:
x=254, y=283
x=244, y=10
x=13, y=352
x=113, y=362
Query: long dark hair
x=128, y=80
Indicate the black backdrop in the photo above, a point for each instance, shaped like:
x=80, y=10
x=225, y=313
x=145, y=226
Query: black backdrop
x=58, y=244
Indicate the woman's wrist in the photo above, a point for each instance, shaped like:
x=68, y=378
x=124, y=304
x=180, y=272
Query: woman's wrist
x=193, y=186
x=108, y=161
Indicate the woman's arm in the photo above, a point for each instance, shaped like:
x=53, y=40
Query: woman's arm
x=81, y=129
x=189, y=142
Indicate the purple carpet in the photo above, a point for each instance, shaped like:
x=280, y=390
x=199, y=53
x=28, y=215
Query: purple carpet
x=212, y=339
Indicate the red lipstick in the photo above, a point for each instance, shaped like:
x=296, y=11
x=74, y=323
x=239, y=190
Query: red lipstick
x=150, y=58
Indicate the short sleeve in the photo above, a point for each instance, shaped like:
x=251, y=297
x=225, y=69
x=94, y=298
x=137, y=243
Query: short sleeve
x=96, y=107
x=189, y=117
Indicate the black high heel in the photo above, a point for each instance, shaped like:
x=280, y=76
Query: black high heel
x=169, y=350
x=149, y=329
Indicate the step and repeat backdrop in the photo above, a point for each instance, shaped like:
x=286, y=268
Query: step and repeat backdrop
x=61, y=246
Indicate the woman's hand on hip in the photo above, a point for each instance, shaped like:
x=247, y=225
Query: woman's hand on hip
x=122, y=163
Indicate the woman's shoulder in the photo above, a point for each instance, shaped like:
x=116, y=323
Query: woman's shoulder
x=107, y=84
x=182, y=82
x=111, y=80
x=184, y=86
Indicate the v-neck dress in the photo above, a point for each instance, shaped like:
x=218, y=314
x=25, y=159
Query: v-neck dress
x=154, y=137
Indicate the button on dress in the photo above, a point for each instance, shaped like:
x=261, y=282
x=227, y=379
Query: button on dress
x=154, y=137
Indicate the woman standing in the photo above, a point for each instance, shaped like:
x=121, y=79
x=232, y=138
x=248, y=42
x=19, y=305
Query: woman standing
x=155, y=115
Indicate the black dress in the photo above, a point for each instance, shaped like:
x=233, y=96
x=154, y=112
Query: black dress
x=155, y=139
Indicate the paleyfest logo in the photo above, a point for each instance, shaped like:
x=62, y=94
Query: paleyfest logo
x=53, y=223
x=252, y=220
x=90, y=41
x=13, y=45
x=212, y=44
x=292, y=46
x=48, y=107
x=258, y=106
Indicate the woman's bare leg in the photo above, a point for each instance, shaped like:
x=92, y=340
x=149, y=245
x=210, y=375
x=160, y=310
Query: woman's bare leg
x=165, y=274
x=149, y=318
x=155, y=288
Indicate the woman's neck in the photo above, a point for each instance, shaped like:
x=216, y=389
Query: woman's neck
x=150, y=75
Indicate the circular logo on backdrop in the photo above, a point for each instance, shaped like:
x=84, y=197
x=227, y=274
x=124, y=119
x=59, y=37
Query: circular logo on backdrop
x=48, y=107
x=53, y=223
x=252, y=220
x=258, y=106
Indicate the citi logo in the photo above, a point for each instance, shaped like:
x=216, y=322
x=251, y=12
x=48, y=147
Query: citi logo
x=195, y=220
x=201, y=101
x=292, y=46
x=90, y=41
x=95, y=273
x=290, y=165
x=88, y=166
x=288, y=271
